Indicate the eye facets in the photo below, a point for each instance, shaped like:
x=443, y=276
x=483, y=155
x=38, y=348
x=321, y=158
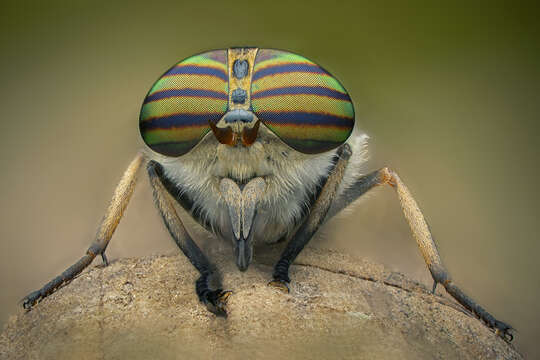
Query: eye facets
x=300, y=102
x=305, y=106
x=175, y=114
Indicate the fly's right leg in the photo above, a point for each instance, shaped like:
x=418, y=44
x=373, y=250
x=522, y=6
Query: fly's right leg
x=110, y=221
x=214, y=299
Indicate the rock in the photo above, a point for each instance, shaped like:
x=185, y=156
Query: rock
x=339, y=307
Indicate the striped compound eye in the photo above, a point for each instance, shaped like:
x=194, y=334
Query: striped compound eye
x=176, y=112
x=305, y=106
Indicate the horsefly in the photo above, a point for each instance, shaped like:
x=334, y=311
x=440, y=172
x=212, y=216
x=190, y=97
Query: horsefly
x=256, y=145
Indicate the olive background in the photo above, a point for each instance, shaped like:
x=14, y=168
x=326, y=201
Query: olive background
x=448, y=92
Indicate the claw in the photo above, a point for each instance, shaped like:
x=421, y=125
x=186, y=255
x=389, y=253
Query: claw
x=280, y=285
x=504, y=331
x=508, y=336
x=216, y=300
x=30, y=300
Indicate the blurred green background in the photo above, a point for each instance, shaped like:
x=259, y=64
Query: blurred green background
x=449, y=93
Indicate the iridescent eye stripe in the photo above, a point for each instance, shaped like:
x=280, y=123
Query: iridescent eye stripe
x=198, y=70
x=303, y=103
x=170, y=82
x=301, y=90
x=295, y=118
x=188, y=92
x=287, y=68
x=176, y=111
x=286, y=80
x=190, y=105
x=186, y=120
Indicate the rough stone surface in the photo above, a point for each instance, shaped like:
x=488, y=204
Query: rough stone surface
x=339, y=307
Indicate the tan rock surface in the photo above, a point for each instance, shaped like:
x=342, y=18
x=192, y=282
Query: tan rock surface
x=339, y=308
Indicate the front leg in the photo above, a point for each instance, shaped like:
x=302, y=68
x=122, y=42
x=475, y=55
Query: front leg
x=214, y=299
x=314, y=220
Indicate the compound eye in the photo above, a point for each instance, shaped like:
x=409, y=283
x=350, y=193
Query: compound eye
x=176, y=111
x=300, y=102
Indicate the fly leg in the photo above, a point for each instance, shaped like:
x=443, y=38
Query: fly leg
x=110, y=221
x=313, y=221
x=214, y=299
x=424, y=239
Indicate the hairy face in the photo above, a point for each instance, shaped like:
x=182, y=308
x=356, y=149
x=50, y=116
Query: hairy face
x=289, y=175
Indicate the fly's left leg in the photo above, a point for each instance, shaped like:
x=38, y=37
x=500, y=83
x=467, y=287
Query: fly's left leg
x=315, y=219
x=424, y=239
x=214, y=299
x=112, y=217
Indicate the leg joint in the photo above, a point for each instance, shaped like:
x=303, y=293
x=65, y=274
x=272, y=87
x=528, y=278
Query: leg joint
x=387, y=176
x=95, y=249
x=439, y=274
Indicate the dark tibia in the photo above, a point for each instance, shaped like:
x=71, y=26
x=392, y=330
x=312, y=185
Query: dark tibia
x=214, y=299
x=500, y=327
x=424, y=239
x=64, y=278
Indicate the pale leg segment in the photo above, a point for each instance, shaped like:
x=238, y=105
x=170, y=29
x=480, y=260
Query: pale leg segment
x=110, y=221
x=215, y=300
x=424, y=239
